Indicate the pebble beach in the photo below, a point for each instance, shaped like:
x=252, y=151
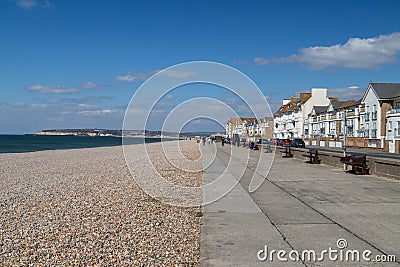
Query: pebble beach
x=82, y=207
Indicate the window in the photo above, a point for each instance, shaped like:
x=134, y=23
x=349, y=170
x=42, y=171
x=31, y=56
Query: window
x=366, y=113
x=374, y=112
x=398, y=127
x=390, y=126
x=350, y=131
x=373, y=133
x=396, y=107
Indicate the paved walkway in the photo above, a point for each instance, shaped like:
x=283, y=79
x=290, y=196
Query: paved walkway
x=299, y=206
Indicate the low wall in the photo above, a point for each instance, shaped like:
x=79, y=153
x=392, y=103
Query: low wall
x=383, y=167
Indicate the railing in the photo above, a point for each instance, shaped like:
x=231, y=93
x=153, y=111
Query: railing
x=394, y=110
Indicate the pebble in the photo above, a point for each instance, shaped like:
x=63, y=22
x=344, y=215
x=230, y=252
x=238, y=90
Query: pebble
x=82, y=207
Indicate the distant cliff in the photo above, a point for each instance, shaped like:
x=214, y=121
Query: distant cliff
x=106, y=132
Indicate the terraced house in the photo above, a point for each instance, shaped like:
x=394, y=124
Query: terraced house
x=382, y=116
x=373, y=121
x=338, y=118
x=239, y=126
x=292, y=118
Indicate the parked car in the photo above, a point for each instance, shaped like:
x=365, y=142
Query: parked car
x=286, y=142
x=262, y=141
x=279, y=142
x=297, y=142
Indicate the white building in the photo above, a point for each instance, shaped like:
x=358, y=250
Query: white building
x=382, y=115
x=239, y=126
x=332, y=120
x=291, y=120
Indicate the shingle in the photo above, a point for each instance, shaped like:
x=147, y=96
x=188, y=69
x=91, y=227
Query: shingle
x=386, y=90
x=320, y=109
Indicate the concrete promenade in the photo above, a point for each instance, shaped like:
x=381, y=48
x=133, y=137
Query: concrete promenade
x=298, y=207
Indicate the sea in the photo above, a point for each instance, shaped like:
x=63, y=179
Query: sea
x=31, y=143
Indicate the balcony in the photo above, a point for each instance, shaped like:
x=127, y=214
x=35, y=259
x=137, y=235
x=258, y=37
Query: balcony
x=351, y=113
x=393, y=112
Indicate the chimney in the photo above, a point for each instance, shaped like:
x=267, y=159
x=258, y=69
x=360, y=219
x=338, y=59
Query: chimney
x=319, y=93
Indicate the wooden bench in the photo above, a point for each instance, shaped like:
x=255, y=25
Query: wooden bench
x=358, y=162
x=287, y=153
x=313, y=156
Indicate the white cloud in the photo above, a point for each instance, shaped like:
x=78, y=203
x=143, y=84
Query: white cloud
x=97, y=112
x=132, y=76
x=356, y=53
x=44, y=89
x=27, y=4
x=125, y=78
x=47, y=89
x=347, y=93
x=177, y=74
x=261, y=61
x=86, y=106
x=240, y=62
x=87, y=85
x=141, y=76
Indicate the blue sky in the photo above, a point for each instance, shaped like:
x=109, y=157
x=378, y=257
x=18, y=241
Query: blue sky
x=76, y=64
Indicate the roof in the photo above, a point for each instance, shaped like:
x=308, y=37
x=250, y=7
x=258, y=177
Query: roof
x=320, y=109
x=294, y=103
x=241, y=120
x=386, y=90
x=337, y=104
x=350, y=103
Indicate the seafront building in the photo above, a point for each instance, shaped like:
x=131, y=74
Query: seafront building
x=382, y=116
x=250, y=128
x=332, y=120
x=292, y=118
x=239, y=126
x=373, y=121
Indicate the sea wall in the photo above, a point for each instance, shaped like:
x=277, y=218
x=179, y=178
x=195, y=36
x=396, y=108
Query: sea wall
x=383, y=167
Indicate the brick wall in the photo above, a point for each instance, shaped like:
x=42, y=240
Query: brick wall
x=383, y=167
x=356, y=142
x=386, y=106
x=386, y=145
